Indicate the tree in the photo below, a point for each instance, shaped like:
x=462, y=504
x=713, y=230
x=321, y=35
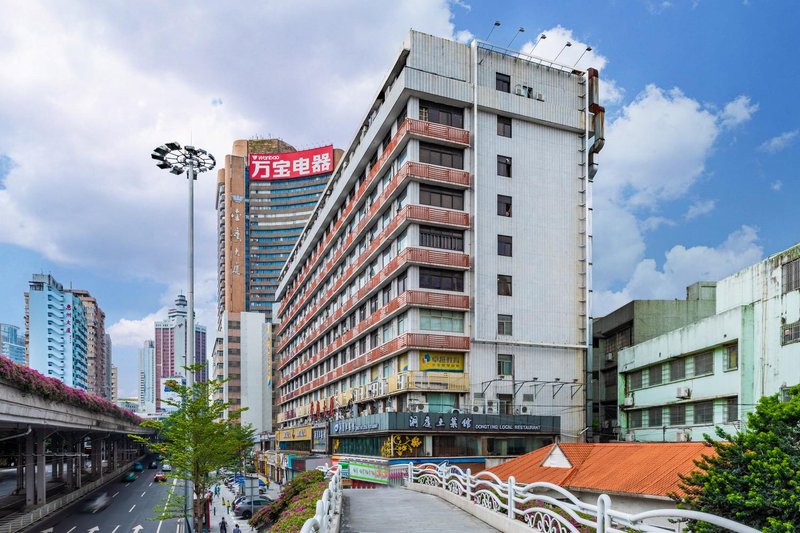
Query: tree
x=754, y=475
x=196, y=440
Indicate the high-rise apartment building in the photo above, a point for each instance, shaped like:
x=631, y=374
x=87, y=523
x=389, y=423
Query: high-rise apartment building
x=266, y=192
x=95, y=345
x=170, y=346
x=56, y=332
x=114, y=384
x=12, y=344
x=442, y=285
x=109, y=358
x=147, y=377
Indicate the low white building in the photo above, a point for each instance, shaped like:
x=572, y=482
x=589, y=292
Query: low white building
x=680, y=385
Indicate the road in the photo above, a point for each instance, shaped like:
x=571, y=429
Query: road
x=133, y=507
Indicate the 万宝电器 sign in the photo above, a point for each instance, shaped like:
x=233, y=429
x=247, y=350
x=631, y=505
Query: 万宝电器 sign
x=289, y=165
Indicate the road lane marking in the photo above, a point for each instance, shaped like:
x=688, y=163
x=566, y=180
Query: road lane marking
x=73, y=529
x=131, y=509
x=115, y=529
x=115, y=495
x=169, y=495
x=144, y=494
x=151, y=484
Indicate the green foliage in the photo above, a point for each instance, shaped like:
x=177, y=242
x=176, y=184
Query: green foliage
x=754, y=477
x=197, y=441
x=296, y=505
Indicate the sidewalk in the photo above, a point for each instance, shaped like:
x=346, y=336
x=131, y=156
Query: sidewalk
x=218, y=511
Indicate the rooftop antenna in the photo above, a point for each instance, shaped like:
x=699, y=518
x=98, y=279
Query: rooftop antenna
x=496, y=24
x=540, y=39
x=562, y=49
x=520, y=30
x=588, y=49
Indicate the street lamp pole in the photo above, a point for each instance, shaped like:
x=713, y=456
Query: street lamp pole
x=177, y=159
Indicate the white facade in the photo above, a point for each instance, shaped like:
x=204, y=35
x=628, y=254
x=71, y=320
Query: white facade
x=523, y=347
x=147, y=377
x=256, y=392
x=713, y=372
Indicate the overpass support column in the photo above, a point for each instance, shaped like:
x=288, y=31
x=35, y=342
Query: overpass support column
x=78, y=463
x=29, y=471
x=41, y=470
x=96, y=455
x=20, y=467
x=69, y=464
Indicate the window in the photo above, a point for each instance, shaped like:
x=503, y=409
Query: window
x=677, y=369
x=503, y=126
x=441, y=197
x=654, y=416
x=635, y=419
x=654, y=375
x=401, y=283
x=401, y=323
x=677, y=415
x=704, y=412
x=436, y=320
x=402, y=242
x=506, y=402
x=503, y=205
x=635, y=380
x=504, y=323
x=504, y=166
x=445, y=239
x=387, y=333
x=730, y=360
x=443, y=156
x=504, y=245
x=439, y=279
x=791, y=275
x=441, y=114
x=505, y=364
x=704, y=364
x=502, y=82
x=791, y=333
x=732, y=409
x=503, y=285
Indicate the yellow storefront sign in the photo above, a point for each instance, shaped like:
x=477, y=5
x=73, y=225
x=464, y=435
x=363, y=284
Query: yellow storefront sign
x=441, y=361
x=293, y=434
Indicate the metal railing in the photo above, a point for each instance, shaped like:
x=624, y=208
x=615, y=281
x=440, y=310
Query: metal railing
x=548, y=508
x=329, y=506
x=21, y=522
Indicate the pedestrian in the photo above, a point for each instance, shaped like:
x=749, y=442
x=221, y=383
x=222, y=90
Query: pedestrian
x=236, y=529
x=229, y=507
x=223, y=526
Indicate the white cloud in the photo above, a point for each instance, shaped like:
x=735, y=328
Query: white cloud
x=133, y=332
x=464, y=36
x=653, y=223
x=683, y=266
x=700, y=208
x=776, y=185
x=737, y=112
x=779, y=142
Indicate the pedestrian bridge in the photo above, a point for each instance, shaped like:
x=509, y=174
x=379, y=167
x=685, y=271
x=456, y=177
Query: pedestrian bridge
x=444, y=498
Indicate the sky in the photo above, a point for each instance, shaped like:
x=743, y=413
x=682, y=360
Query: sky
x=695, y=181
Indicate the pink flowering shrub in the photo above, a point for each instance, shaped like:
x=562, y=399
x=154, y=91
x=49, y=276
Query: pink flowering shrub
x=297, y=503
x=29, y=380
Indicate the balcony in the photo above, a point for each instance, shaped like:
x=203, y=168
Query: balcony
x=407, y=341
x=417, y=129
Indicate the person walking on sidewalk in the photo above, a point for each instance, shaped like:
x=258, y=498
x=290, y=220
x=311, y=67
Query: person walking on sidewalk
x=236, y=529
x=223, y=526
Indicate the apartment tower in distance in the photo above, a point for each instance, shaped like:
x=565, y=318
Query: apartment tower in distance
x=266, y=192
x=12, y=344
x=96, y=356
x=437, y=302
x=56, y=332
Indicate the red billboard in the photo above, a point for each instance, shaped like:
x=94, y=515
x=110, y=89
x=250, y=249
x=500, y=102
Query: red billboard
x=290, y=165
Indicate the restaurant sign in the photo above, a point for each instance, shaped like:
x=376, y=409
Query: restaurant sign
x=446, y=422
x=293, y=434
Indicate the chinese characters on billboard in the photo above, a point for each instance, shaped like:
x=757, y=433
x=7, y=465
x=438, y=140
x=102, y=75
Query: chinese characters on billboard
x=291, y=165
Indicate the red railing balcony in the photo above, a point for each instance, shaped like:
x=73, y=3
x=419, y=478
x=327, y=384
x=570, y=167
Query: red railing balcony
x=440, y=132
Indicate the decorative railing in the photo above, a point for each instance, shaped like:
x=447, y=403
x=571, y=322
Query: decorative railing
x=548, y=508
x=329, y=506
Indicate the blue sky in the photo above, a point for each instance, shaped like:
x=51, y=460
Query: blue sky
x=695, y=181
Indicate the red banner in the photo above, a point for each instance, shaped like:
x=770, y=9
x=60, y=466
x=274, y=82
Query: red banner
x=290, y=165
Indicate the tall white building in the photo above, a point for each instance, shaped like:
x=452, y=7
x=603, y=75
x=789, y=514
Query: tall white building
x=680, y=385
x=442, y=284
x=147, y=377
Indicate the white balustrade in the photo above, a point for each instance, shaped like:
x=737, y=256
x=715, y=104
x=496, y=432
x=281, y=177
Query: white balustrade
x=325, y=519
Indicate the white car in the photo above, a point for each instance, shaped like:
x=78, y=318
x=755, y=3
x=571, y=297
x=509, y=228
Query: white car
x=166, y=468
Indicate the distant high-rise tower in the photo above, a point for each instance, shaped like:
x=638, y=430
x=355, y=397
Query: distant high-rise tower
x=147, y=377
x=170, y=346
x=109, y=359
x=56, y=332
x=114, y=384
x=96, y=357
x=12, y=344
x=266, y=192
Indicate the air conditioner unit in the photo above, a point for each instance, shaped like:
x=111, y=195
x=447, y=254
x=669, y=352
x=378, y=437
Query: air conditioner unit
x=540, y=97
x=455, y=411
x=518, y=90
x=630, y=437
x=476, y=409
x=490, y=410
x=628, y=401
x=420, y=407
x=524, y=410
x=683, y=393
x=683, y=435
x=610, y=356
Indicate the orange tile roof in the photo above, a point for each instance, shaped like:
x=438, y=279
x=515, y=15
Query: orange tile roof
x=630, y=468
